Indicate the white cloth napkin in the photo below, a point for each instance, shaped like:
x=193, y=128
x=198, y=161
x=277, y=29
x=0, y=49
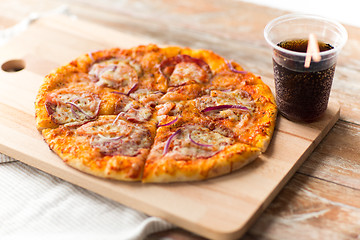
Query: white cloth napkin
x=36, y=205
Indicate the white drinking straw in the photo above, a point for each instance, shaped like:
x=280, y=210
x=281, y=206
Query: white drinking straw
x=312, y=51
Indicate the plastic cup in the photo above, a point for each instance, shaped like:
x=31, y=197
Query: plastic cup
x=302, y=94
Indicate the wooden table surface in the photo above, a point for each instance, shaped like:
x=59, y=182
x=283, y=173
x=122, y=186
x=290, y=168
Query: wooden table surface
x=322, y=199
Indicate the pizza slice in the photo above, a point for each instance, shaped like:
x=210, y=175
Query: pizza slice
x=109, y=147
x=188, y=151
x=249, y=115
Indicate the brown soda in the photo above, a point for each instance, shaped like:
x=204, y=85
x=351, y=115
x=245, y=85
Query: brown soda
x=302, y=93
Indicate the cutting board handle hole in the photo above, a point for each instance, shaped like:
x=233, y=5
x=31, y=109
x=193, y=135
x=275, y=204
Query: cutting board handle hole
x=15, y=65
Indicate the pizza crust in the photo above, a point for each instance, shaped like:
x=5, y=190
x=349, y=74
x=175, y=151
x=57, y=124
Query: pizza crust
x=76, y=150
x=168, y=169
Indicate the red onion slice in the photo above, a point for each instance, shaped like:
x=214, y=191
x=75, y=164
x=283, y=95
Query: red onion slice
x=221, y=107
x=169, y=123
x=166, y=148
x=91, y=56
x=199, y=144
x=117, y=92
x=73, y=110
x=73, y=105
x=132, y=89
x=233, y=69
x=117, y=117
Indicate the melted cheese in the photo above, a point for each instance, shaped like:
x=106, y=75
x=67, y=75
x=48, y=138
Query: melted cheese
x=73, y=108
x=116, y=137
x=108, y=127
x=141, y=114
x=183, y=146
x=147, y=97
x=218, y=98
x=186, y=72
x=116, y=73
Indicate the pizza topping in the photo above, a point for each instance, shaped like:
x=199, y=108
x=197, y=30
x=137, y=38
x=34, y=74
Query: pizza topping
x=196, y=142
x=165, y=108
x=91, y=56
x=171, y=108
x=244, y=122
x=130, y=145
x=163, y=114
x=231, y=67
x=185, y=73
x=117, y=74
x=147, y=97
x=183, y=69
x=167, y=144
x=132, y=110
x=116, y=138
x=169, y=123
x=226, y=105
x=106, y=138
x=70, y=108
x=222, y=107
x=237, y=95
x=106, y=127
x=141, y=114
x=74, y=106
x=132, y=89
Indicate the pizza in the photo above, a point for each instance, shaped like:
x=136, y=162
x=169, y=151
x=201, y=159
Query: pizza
x=155, y=114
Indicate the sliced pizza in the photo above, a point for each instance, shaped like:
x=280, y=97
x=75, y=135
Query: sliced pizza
x=155, y=114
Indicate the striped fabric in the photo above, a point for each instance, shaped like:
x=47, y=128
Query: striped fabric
x=36, y=205
x=4, y=158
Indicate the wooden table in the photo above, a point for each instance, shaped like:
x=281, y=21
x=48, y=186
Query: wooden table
x=322, y=200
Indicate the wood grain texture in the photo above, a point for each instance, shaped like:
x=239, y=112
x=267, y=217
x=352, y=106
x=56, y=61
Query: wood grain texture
x=334, y=163
x=322, y=210
x=217, y=202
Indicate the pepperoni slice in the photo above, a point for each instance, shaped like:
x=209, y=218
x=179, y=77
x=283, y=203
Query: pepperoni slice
x=195, y=141
x=117, y=74
x=68, y=107
x=183, y=69
x=116, y=136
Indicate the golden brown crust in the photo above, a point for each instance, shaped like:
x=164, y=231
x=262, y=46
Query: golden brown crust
x=167, y=169
x=75, y=148
x=77, y=152
x=138, y=97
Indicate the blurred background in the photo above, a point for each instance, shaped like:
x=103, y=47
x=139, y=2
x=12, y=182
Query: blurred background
x=345, y=11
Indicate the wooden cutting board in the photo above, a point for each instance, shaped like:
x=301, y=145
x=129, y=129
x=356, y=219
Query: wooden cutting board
x=220, y=208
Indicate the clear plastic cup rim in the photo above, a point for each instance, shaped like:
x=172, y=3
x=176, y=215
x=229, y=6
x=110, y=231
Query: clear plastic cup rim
x=293, y=16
